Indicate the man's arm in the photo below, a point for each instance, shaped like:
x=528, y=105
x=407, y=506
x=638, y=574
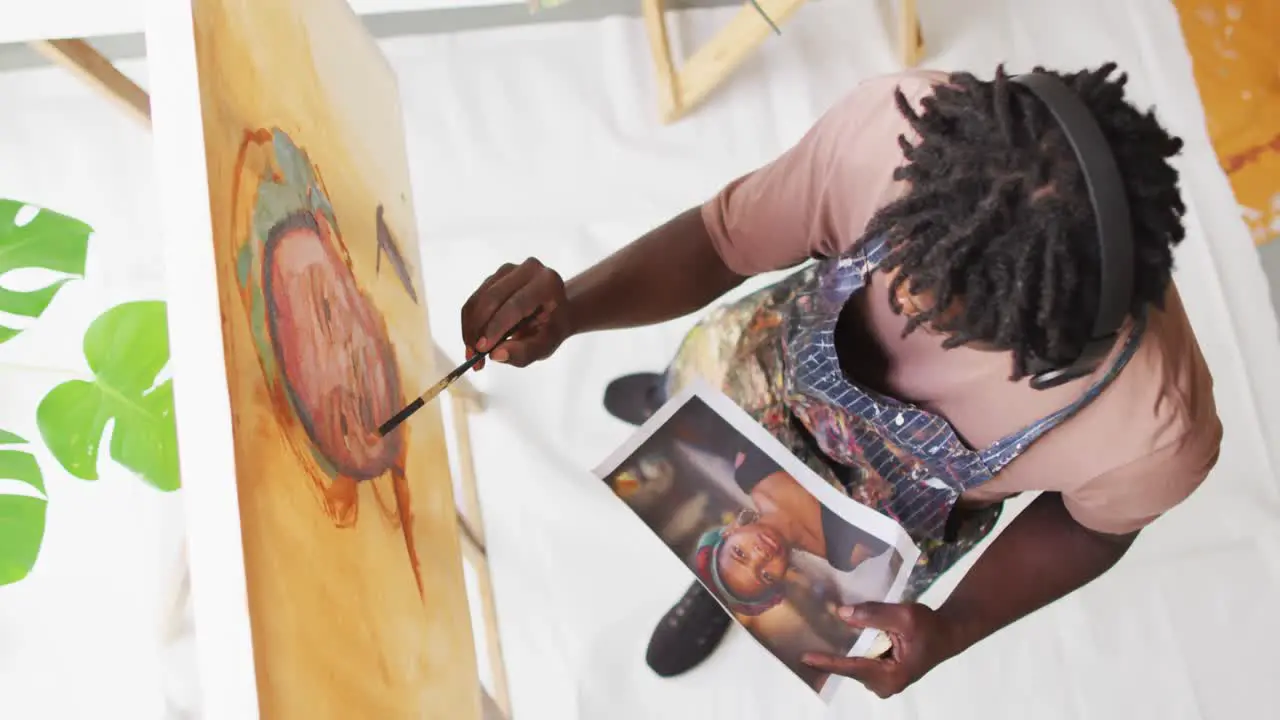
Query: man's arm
x=1045, y=553
x=813, y=200
x=669, y=272
x=1042, y=556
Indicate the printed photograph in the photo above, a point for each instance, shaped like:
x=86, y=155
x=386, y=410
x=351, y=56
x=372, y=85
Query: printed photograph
x=777, y=546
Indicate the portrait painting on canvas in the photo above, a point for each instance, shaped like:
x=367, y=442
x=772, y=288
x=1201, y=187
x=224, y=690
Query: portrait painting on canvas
x=356, y=594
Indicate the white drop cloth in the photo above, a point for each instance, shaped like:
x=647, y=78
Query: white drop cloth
x=542, y=141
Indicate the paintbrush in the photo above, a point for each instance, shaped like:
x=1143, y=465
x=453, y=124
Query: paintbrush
x=448, y=380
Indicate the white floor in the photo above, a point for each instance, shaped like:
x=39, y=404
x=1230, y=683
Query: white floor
x=542, y=141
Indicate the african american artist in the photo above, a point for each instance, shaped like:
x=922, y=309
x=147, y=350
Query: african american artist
x=943, y=242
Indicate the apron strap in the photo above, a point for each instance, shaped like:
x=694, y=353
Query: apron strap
x=1005, y=451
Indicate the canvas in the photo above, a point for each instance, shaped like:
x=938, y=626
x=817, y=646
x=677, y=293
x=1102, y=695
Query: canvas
x=352, y=566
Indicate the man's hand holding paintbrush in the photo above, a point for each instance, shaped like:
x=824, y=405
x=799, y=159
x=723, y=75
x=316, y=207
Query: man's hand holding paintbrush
x=525, y=320
x=671, y=271
x=522, y=313
x=508, y=296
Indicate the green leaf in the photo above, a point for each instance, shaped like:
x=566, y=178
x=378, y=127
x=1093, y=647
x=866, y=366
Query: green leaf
x=127, y=347
x=50, y=241
x=8, y=438
x=22, y=517
x=21, y=466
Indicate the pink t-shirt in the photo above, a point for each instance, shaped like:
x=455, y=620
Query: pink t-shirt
x=1137, y=450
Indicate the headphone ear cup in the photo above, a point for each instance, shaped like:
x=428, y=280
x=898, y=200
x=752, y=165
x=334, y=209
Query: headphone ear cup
x=1053, y=377
x=1049, y=379
x=1045, y=375
x=1038, y=366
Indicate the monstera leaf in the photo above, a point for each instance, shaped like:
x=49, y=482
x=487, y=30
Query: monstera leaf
x=21, y=516
x=47, y=240
x=127, y=347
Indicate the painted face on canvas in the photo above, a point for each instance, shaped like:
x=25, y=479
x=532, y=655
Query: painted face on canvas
x=753, y=559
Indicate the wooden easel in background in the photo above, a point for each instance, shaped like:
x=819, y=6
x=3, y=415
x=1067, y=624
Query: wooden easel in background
x=81, y=59
x=681, y=89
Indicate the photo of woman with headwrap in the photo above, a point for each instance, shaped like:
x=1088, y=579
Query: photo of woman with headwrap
x=776, y=556
x=746, y=561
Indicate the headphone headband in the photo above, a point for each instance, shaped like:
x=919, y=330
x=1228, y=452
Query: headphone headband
x=1111, y=214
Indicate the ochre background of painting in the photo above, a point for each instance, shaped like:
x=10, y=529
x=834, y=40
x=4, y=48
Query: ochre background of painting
x=1235, y=52
x=339, y=628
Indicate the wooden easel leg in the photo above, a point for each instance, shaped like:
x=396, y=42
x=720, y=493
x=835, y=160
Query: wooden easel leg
x=81, y=59
x=475, y=554
x=655, y=25
x=465, y=399
x=910, y=35
x=473, y=544
x=708, y=67
x=712, y=63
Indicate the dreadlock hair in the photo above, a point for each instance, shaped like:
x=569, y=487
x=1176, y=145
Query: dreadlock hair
x=996, y=230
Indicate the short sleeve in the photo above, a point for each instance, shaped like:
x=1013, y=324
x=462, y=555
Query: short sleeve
x=817, y=197
x=1130, y=497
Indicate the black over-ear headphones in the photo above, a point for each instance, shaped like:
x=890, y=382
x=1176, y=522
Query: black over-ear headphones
x=1115, y=228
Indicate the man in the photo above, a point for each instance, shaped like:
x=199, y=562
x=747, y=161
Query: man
x=955, y=248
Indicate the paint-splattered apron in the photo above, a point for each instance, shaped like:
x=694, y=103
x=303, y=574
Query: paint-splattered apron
x=773, y=353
